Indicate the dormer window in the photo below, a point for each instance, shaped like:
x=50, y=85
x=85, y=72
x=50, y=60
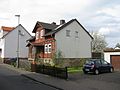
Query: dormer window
x=37, y=35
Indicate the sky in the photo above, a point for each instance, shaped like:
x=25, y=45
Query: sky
x=101, y=16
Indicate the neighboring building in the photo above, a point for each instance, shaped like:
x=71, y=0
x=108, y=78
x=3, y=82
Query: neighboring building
x=9, y=42
x=113, y=56
x=71, y=39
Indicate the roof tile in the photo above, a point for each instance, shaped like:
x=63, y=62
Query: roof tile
x=4, y=28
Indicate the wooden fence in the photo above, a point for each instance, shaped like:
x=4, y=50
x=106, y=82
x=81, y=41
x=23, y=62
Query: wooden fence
x=50, y=70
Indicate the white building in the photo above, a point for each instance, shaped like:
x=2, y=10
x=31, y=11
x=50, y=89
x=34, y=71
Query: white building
x=9, y=42
x=113, y=57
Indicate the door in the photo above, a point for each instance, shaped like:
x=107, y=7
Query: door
x=105, y=66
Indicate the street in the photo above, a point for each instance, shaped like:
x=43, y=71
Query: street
x=11, y=80
x=104, y=81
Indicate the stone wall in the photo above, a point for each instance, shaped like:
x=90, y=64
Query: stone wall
x=69, y=62
x=25, y=64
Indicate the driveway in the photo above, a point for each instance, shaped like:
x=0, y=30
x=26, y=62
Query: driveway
x=105, y=81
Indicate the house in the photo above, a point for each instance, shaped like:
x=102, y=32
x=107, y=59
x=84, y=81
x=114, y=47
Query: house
x=70, y=38
x=112, y=55
x=9, y=42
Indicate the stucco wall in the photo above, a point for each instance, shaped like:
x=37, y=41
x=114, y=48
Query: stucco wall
x=10, y=50
x=72, y=47
x=2, y=41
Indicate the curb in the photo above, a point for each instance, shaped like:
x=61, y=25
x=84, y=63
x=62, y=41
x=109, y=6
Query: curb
x=41, y=82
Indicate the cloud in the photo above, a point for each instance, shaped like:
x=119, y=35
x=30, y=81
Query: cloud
x=101, y=15
x=112, y=11
x=109, y=32
x=112, y=35
x=3, y=5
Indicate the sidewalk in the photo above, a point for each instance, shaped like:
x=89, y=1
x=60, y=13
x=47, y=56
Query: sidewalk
x=48, y=80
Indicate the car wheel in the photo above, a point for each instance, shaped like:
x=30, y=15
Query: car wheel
x=111, y=70
x=96, y=72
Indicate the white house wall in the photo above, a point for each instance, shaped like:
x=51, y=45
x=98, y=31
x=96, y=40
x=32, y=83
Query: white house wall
x=2, y=43
x=72, y=47
x=107, y=55
x=11, y=44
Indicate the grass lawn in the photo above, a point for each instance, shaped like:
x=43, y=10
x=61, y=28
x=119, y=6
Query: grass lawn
x=74, y=69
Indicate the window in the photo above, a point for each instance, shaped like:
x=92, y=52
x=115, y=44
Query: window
x=37, y=35
x=104, y=62
x=49, y=48
x=41, y=33
x=98, y=62
x=68, y=33
x=76, y=34
x=46, y=48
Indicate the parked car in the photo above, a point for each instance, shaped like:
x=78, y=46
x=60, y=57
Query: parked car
x=97, y=66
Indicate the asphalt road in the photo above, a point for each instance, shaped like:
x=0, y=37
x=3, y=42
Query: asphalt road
x=11, y=80
x=104, y=81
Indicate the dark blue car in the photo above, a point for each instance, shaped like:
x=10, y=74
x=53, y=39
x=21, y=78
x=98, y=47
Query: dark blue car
x=97, y=66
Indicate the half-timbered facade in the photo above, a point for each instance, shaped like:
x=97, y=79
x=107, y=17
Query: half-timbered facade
x=70, y=38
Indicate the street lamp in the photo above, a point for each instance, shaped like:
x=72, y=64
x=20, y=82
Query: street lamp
x=18, y=41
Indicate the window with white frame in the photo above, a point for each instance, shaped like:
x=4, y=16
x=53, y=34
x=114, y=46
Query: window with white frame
x=46, y=48
x=68, y=33
x=49, y=48
x=76, y=34
x=37, y=35
x=41, y=33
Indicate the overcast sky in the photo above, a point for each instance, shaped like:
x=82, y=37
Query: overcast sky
x=95, y=15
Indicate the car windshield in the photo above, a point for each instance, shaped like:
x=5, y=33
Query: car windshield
x=89, y=62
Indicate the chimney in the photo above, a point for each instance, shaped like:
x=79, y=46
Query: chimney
x=54, y=23
x=62, y=22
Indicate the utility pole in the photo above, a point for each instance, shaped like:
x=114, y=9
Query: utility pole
x=18, y=16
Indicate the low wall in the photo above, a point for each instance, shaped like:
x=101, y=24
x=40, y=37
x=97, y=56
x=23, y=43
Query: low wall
x=69, y=62
x=25, y=64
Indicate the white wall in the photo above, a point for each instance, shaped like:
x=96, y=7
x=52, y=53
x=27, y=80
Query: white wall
x=11, y=44
x=72, y=47
x=2, y=43
x=107, y=55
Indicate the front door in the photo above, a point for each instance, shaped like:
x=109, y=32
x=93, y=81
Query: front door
x=40, y=52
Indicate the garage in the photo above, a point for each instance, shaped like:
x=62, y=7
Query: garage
x=115, y=61
x=112, y=56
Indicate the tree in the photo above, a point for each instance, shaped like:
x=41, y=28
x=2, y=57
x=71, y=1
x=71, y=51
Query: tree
x=117, y=45
x=99, y=43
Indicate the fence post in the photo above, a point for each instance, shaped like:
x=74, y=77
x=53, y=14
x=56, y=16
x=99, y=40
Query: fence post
x=66, y=73
x=54, y=71
x=33, y=67
x=43, y=68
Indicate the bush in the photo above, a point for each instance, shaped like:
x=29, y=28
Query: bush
x=57, y=59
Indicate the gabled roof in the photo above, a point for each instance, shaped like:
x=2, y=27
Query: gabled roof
x=4, y=28
x=15, y=28
x=64, y=25
x=45, y=26
x=31, y=39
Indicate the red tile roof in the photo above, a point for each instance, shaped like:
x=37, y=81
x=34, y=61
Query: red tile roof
x=4, y=28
